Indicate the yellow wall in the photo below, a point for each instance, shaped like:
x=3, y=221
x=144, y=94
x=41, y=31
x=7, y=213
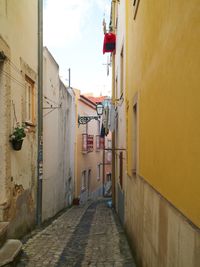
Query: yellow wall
x=163, y=59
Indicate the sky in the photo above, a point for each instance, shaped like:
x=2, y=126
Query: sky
x=73, y=33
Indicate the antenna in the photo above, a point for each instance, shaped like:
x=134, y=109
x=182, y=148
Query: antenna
x=69, y=73
x=108, y=64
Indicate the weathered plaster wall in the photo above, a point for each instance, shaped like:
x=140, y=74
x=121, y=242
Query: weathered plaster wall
x=160, y=236
x=5, y=99
x=58, y=181
x=18, y=31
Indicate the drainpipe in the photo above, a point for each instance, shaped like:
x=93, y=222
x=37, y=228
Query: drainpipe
x=104, y=166
x=113, y=102
x=40, y=114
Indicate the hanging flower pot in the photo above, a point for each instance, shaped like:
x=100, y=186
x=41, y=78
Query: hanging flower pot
x=17, y=137
x=17, y=144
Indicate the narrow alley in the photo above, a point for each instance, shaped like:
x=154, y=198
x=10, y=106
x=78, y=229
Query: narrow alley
x=99, y=104
x=85, y=235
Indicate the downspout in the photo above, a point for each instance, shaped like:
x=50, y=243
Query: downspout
x=40, y=114
x=113, y=102
x=103, y=182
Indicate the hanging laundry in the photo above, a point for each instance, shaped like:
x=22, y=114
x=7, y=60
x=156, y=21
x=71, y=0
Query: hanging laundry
x=102, y=134
x=105, y=119
x=109, y=42
x=111, y=121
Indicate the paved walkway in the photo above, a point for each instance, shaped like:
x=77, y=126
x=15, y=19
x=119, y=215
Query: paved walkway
x=87, y=235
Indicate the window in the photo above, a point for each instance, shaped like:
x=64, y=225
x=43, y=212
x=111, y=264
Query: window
x=89, y=181
x=102, y=141
x=97, y=142
x=121, y=169
x=108, y=177
x=122, y=72
x=109, y=152
x=87, y=143
x=98, y=171
x=116, y=88
x=30, y=100
x=83, y=180
x=84, y=143
x=134, y=139
x=90, y=143
x=98, y=127
x=135, y=7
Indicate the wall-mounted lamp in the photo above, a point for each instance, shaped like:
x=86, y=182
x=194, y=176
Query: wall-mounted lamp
x=86, y=119
x=99, y=109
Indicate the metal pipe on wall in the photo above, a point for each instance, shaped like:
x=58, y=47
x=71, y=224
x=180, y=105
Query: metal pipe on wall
x=40, y=114
x=113, y=102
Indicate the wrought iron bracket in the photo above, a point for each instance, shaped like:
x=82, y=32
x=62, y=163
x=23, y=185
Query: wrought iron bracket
x=86, y=119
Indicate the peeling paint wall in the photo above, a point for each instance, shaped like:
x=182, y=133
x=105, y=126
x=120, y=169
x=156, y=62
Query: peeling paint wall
x=5, y=118
x=18, y=41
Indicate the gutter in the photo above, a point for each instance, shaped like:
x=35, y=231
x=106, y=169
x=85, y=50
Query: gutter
x=40, y=115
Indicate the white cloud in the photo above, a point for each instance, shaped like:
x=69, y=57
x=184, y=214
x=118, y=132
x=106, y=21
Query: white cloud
x=104, y=5
x=63, y=21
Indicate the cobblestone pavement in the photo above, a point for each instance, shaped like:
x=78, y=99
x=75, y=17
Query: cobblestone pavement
x=87, y=235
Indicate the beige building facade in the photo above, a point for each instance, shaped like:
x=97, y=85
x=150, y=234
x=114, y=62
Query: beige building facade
x=18, y=104
x=89, y=174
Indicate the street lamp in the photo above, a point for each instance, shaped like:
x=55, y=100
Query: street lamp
x=86, y=119
x=99, y=109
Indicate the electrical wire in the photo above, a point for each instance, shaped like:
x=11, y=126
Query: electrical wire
x=50, y=100
x=13, y=66
x=13, y=105
x=8, y=75
x=48, y=112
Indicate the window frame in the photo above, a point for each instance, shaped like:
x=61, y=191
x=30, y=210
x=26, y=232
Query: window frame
x=30, y=109
x=135, y=8
x=83, y=180
x=98, y=171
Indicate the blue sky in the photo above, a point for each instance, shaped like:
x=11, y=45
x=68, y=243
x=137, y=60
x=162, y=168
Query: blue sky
x=73, y=34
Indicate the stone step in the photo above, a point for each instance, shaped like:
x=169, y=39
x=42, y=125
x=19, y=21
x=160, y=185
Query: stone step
x=3, y=232
x=10, y=251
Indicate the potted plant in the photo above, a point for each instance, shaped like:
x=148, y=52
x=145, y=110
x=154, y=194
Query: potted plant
x=17, y=137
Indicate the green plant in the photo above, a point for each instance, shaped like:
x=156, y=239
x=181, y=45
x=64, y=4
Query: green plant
x=19, y=133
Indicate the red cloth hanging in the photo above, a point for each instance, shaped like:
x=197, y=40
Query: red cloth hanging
x=109, y=42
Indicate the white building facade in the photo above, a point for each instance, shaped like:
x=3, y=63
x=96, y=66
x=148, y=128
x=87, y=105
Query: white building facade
x=59, y=138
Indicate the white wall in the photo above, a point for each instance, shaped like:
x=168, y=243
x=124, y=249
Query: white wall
x=58, y=130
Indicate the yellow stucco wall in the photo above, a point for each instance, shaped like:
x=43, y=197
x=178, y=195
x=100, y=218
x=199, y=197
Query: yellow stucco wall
x=163, y=59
